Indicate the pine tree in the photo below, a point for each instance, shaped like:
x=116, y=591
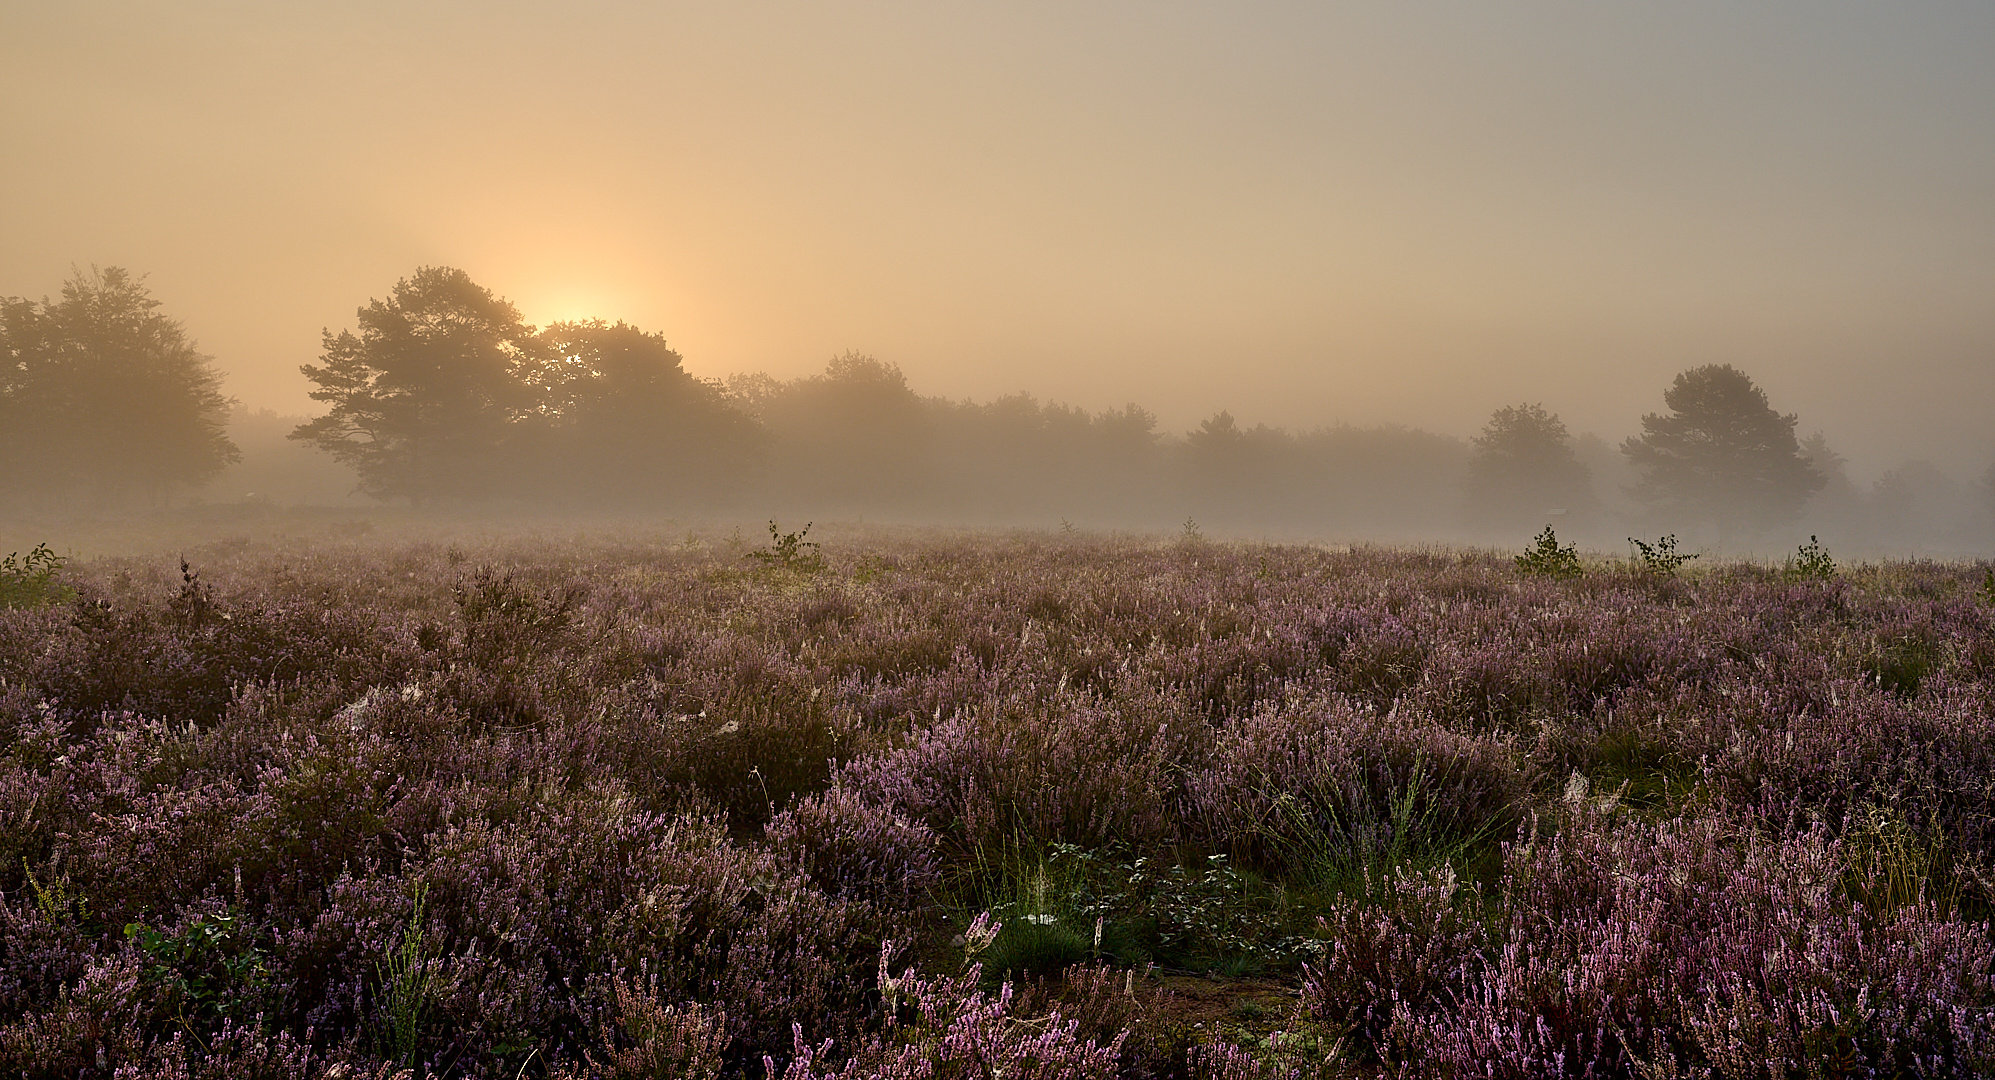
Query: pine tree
x=1721, y=455
x=430, y=397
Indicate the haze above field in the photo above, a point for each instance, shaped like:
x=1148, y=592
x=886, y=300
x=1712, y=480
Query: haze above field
x=1302, y=215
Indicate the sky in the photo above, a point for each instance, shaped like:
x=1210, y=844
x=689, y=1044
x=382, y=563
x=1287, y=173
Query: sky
x=1304, y=213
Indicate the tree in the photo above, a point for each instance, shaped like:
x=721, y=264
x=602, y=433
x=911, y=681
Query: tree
x=856, y=437
x=628, y=424
x=1831, y=466
x=101, y=395
x=430, y=399
x=1523, y=466
x=1721, y=455
x=1233, y=473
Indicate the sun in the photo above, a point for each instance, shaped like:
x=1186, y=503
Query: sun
x=568, y=304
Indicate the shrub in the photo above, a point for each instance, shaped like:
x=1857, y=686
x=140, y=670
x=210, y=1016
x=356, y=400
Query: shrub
x=1325, y=793
x=1811, y=562
x=1195, y=913
x=1686, y=948
x=655, y=1041
x=790, y=551
x=1660, y=559
x=853, y=847
x=1402, y=942
x=505, y=619
x=1546, y=558
x=29, y=580
x=948, y=1026
x=208, y=971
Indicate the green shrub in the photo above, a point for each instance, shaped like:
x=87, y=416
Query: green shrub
x=1660, y=559
x=1811, y=562
x=1034, y=945
x=208, y=972
x=790, y=551
x=1546, y=558
x=29, y=581
x=403, y=995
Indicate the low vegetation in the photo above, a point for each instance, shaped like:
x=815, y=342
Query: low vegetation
x=31, y=580
x=1017, y=805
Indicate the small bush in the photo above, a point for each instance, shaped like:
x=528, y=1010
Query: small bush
x=1547, y=559
x=506, y=619
x=1321, y=795
x=790, y=551
x=855, y=848
x=29, y=580
x=1660, y=559
x=944, y=1026
x=1811, y=562
x=1196, y=913
x=206, y=973
x=1034, y=945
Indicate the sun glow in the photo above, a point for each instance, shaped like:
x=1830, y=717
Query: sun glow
x=569, y=304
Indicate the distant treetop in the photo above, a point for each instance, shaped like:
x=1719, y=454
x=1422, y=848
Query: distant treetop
x=1524, y=466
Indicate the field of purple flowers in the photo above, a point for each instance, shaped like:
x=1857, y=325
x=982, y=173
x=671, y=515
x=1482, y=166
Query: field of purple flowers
x=965, y=806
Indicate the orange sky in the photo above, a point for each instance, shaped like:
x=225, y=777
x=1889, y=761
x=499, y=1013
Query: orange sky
x=1304, y=213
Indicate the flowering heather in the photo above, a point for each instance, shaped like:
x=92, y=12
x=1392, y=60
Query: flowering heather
x=614, y=808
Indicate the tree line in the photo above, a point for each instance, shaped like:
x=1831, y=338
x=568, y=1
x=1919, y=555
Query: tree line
x=442, y=394
x=445, y=393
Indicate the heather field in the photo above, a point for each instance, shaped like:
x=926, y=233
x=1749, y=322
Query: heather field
x=991, y=805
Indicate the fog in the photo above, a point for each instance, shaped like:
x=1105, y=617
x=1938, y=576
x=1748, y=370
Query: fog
x=1266, y=270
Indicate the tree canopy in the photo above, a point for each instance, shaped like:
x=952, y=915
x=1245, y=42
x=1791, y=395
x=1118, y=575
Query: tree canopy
x=103, y=398
x=447, y=393
x=625, y=422
x=425, y=398
x=856, y=436
x=1722, y=454
x=1524, y=466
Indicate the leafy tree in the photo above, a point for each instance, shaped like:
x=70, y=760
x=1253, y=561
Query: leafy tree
x=628, y=423
x=101, y=395
x=431, y=397
x=1721, y=454
x=1524, y=465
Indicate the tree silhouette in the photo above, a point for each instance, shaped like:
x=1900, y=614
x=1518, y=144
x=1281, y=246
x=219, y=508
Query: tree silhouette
x=628, y=424
x=102, y=396
x=429, y=398
x=1230, y=471
x=857, y=437
x=1721, y=455
x=1523, y=466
